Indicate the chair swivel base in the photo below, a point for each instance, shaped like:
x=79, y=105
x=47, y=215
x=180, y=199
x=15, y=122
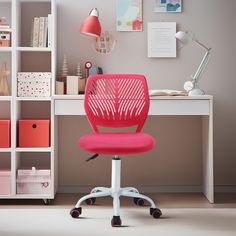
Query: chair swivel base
x=115, y=192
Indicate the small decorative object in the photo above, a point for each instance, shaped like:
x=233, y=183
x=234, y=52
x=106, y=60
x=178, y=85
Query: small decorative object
x=129, y=15
x=87, y=65
x=4, y=87
x=64, y=69
x=192, y=86
x=5, y=38
x=168, y=5
x=33, y=84
x=59, y=87
x=72, y=85
x=105, y=43
x=3, y=23
x=82, y=81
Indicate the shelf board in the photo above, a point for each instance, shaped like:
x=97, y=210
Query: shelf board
x=5, y=29
x=33, y=49
x=79, y=96
x=5, y=149
x=5, y=98
x=33, y=99
x=34, y=149
x=5, y=49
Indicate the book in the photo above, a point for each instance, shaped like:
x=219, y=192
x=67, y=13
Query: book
x=49, y=30
x=45, y=34
x=36, y=32
x=167, y=92
x=41, y=31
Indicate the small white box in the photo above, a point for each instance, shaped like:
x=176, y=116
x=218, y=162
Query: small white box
x=34, y=84
x=33, y=181
x=72, y=85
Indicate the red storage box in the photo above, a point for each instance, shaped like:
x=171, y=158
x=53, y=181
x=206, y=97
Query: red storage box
x=34, y=133
x=4, y=133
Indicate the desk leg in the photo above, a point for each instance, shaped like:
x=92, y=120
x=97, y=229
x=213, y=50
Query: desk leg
x=207, y=146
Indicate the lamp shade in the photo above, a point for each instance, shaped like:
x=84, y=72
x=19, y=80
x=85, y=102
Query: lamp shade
x=91, y=25
x=182, y=37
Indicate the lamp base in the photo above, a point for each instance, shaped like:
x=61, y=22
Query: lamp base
x=196, y=92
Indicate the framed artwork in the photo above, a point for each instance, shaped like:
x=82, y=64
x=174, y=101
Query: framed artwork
x=168, y=6
x=161, y=39
x=129, y=15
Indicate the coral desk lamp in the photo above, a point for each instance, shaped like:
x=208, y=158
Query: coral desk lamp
x=91, y=26
x=192, y=86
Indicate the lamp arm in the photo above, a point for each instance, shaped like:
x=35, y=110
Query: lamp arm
x=201, y=44
x=202, y=66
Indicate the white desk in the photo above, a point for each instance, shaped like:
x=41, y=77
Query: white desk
x=164, y=105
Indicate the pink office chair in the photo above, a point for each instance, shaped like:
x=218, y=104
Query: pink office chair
x=116, y=101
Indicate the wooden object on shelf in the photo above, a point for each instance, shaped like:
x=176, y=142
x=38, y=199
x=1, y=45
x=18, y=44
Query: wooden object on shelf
x=4, y=87
x=59, y=87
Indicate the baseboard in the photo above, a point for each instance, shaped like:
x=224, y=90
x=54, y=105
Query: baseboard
x=153, y=189
x=225, y=188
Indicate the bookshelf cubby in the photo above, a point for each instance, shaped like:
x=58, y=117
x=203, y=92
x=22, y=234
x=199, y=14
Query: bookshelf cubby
x=22, y=57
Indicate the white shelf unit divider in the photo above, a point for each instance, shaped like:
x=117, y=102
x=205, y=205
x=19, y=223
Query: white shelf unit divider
x=18, y=50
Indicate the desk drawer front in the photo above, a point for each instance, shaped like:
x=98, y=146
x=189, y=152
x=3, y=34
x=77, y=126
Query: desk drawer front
x=179, y=107
x=69, y=107
x=157, y=107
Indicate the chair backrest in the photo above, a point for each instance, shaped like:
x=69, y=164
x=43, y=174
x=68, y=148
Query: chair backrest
x=116, y=100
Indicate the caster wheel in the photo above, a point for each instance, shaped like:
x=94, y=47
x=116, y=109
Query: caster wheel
x=46, y=201
x=76, y=212
x=155, y=212
x=138, y=201
x=90, y=201
x=116, y=221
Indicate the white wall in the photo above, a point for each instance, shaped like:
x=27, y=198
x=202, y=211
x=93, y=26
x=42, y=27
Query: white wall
x=213, y=22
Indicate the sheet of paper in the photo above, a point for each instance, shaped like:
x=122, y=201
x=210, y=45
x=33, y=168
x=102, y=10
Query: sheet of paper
x=161, y=39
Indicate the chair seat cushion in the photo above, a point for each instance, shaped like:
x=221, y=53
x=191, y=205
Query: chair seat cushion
x=116, y=143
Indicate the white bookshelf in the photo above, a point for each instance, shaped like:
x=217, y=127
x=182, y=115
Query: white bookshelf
x=21, y=57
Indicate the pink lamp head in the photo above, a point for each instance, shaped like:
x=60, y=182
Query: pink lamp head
x=91, y=25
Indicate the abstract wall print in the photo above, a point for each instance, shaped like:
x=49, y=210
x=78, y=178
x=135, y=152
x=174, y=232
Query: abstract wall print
x=168, y=5
x=129, y=15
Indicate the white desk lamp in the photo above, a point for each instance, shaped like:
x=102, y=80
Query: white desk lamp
x=192, y=86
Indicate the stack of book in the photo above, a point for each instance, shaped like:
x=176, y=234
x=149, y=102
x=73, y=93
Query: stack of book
x=5, y=36
x=41, y=32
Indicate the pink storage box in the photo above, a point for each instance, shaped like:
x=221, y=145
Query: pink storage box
x=4, y=133
x=34, y=133
x=5, y=182
x=33, y=181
